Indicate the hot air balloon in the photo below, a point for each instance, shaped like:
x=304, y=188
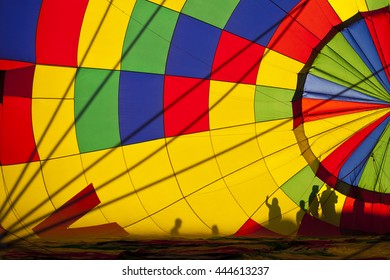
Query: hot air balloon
x=193, y=118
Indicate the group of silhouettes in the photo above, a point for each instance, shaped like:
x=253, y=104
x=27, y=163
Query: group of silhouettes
x=326, y=200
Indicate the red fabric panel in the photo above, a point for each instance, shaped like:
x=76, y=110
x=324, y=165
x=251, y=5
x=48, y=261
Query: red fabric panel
x=17, y=138
x=255, y=230
x=59, y=31
x=311, y=226
x=236, y=60
x=56, y=225
x=333, y=163
x=12, y=64
x=315, y=109
x=186, y=105
x=308, y=23
x=363, y=217
x=379, y=26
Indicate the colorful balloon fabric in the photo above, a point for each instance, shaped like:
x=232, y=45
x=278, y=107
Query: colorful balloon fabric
x=194, y=118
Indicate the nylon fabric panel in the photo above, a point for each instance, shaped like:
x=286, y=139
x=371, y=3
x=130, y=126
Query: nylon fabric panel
x=275, y=65
x=57, y=34
x=54, y=129
x=103, y=32
x=192, y=156
x=18, y=42
x=148, y=34
x=231, y=104
x=155, y=190
x=217, y=198
x=235, y=147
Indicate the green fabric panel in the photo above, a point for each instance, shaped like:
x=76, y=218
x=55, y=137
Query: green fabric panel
x=272, y=103
x=147, y=43
x=375, y=176
x=96, y=109
x=339, y=63
x=216, y=12
x=300, y=186
x=377, y=4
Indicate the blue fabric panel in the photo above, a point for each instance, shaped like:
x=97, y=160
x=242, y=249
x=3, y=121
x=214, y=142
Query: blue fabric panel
x=353, y=168
x=318, y=88
x=140, y=107
x=257, y=20
x=193, y=48
x=359, y=37
x=18, y=25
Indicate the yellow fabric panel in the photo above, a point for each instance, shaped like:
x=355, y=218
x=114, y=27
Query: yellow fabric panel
x=30, y=201
x=277, y=70
x=152, y=175
x=325, y=135
x=176, y=5
x=216, y=206
x=348, y=8
x=231, y=104
x=64, y=178
x=145, y=228
x=280, y=149
x=250, y=184
x=288, y=209
x=103, y=32
x=235, y=147
x=54, y=130
x=107, y=171
x=190, y=223
x=9, y=219
x=192, y=158
x=53, y=82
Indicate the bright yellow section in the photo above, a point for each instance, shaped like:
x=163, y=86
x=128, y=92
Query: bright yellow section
x=348, y=8
x=325, y=135
x=107, y=171
x=31, y=204
x=231, y=104
x=189, y=223
x=145, y=228
x=193, y=160
x=250, y=185
x=235, y=147
x=277, y=70
x=54, y=130
x=176, y=5
x=103, y=32
x=8, y=217
x=152, y=175
x=216, y=206
x=280, y=149
x=53, y=82
x=64, y=178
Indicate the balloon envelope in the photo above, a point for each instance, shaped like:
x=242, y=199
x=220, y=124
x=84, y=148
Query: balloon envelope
x=194, y=118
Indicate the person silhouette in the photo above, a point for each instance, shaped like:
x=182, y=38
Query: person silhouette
x=301, y=212
x=175, y=229
x=313, y=202
x=274, y=214
x=328, y=200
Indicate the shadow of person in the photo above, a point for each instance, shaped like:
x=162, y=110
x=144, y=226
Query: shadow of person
x=175, y=229
x=274, y=214
x=328, y=200
x=314, y=203
x=214, y=231
x=301, y=212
